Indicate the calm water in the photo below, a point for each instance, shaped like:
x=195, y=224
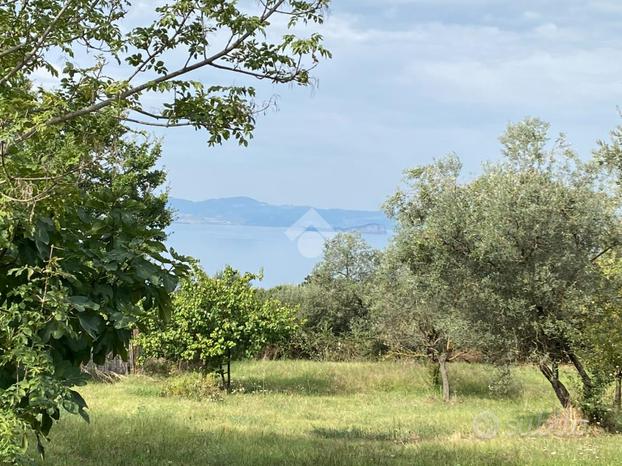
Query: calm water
x=250, y=249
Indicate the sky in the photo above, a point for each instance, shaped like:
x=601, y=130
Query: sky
x=412, y=80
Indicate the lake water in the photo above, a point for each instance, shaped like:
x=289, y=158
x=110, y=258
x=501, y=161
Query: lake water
x=284, y=256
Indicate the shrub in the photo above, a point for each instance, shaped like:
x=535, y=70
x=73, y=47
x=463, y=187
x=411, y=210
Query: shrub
x=595, y=402
x=157, y=366
x=321, y=344
x=503, y=384
x=12, y=438
x=216, y=320
x=194, y=386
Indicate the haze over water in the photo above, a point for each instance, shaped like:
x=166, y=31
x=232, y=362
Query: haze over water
x=250, y=249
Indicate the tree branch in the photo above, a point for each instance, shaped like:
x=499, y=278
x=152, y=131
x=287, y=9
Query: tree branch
x=277, y=79
x=159, y=50
x=38, y=45
x=600, y=254
x=154, y=82
x=160, y=125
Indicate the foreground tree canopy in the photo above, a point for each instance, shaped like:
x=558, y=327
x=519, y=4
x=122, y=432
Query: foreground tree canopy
x=81, y=220
x=100, y=43
x=76, y=271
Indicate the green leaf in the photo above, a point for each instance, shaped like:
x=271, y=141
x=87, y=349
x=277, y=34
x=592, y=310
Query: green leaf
x=82, y=303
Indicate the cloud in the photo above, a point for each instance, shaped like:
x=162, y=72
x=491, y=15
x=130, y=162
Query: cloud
x=544, y=64
x=604, y=6
x=412, y=80
x=568, y=79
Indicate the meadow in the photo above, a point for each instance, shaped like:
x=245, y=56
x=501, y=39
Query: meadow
x=321, y=413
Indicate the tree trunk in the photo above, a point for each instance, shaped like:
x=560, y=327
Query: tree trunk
x=134, y=352
x=442, y=365
x=435, y=373
x=618, y=396
x=229, y=371
x=221, y=372
x=552, y=375
x=585, y=377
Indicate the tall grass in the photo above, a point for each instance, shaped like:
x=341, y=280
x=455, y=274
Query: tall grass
x=314, y=413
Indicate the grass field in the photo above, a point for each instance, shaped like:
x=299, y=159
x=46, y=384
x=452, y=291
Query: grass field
x=308, y=413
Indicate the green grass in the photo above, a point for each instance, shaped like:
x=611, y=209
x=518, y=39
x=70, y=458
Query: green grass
x=310, y=413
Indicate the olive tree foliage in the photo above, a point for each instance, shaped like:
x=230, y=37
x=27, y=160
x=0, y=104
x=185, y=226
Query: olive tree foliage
x=337, y=285
x=602, y=338
x=413, y=317
x=519, y=245
x=216, y=320
x=415, y=304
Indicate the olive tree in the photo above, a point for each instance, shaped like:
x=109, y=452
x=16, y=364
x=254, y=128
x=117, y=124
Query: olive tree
x=602, y=336
x=412, y=323
x=337, y=285
x=604, y=332
x=415, y=304
x=519, y=244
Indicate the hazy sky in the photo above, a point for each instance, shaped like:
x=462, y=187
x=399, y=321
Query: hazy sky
x=412, y=80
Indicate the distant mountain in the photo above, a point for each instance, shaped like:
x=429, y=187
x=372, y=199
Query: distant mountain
x=248, y=211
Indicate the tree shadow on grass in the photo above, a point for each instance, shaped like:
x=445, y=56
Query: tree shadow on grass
x=356, y=433
x=472, y=383
x=134, y=441
x=477, y=385
x=528, y=423
x=300, y=384
x=398, y=434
